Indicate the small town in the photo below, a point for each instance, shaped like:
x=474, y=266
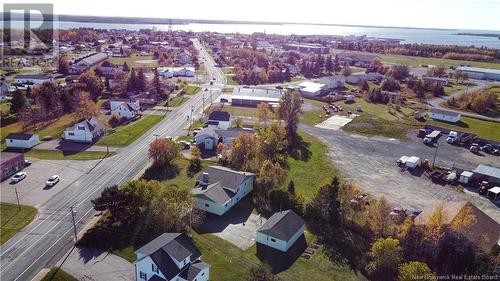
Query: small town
x=146, y=147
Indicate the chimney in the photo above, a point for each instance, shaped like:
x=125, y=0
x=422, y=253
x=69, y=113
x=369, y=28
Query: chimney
x=205, y=177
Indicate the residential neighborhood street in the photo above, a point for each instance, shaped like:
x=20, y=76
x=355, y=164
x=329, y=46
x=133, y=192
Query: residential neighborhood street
x=50, y=235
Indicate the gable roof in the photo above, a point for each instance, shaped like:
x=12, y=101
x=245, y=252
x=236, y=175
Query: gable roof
x=219, y=116
x=214, y=192
x=91, y=124
x=226, y=177
x=167, y=247
x=192, y=271
x=483, y=232
x=444, y=112
x=19, y=136
x=282, y=225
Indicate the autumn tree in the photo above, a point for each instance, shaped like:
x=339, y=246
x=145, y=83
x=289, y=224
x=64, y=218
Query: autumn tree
x=270, y=141
x=346, y=69
x=264, y=112
x=195, y=151
x=439, y=71
x=125, y=67
x=261, y=273
x=290, y=110
x=415, y=270
x=400, y=71
x=86, y=106
x=18, y=102
x=374, y=65
x=91, y=83
x=63, y=64
x=132, y=81
x=329, y=64
x=244, y=153
x=163, y=152
x=378, y=215
x=386, y=257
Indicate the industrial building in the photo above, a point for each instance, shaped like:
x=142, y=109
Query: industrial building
x=481, y=73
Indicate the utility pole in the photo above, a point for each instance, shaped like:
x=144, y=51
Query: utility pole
x=435, y=153
x=17, y=197
x=74, y=224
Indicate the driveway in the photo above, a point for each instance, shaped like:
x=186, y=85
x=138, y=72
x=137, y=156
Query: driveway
x=237, y=226
x=95, y=265
x=60, y=144
x=371, y=163
x=32, y=190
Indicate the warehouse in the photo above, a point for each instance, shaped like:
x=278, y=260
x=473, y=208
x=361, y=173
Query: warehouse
x=253, y=96
x=480, y=73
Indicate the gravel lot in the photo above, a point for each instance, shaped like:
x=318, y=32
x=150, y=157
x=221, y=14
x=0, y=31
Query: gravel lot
x=32, y=190
x=371, y=163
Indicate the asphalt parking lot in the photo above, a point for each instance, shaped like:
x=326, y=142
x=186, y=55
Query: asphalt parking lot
x=371, y=163
x=32, y=190
x=237, y=226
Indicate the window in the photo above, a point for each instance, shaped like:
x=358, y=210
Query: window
x=154, y=268
x=272, y=239
x=143, y=275
x=184, y=262
x=207, y=205
x=71, y=134
x=11, y=140
x=203, y=273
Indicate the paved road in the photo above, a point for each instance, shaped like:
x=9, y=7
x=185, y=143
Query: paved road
x=436, y=102
x=46, y=239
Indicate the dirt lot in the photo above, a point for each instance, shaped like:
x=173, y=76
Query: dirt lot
x=371, y=163
x=32, y=190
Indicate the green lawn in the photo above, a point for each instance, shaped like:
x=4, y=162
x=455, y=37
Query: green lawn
x=241, y=111
x=60, y=155
x=125, y=135
x=191, y=90
x=313, y=117
x=309, y=166
x=230, y=80
x=5, y=108
x=54, y=129
x=486, y=129
x=12, y=219
x=135, y=61
x=178, y=100
x=57, y=274
x=196, y=124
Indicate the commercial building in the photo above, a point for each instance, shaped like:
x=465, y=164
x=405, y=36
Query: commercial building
x=480, y=73
x=11, y=163
x=242, y=96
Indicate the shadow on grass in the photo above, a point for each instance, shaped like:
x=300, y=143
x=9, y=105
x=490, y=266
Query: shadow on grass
x=161, y=174
x=280, y=261
x=301, y=150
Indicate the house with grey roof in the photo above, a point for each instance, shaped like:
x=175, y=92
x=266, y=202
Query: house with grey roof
x=210, y=136
x=170, y=256
x=87, y=131
x=218, y=189
x=281, y=230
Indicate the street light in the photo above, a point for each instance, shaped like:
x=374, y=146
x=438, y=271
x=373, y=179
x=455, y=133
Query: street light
x=73, y=212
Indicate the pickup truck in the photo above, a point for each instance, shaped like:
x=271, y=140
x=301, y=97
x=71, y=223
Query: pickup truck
x=430, y=138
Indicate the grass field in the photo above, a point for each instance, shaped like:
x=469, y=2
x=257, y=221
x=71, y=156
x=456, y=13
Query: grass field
x=486, y=129
x=178, y=100
x=12, y=219
x=373, y=125
x=191, y=90
x=135, y=61
x=416, y=61
x=309, y=166
x=241, y=111
x=60, y=155
x=57, y=274
x=355, y=69
x=125, y=135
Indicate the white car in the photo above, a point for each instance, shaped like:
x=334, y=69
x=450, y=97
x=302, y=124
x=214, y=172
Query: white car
x=52, y=180
x=18, y=177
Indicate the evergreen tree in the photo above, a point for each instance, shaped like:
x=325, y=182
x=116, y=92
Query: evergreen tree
x=329, y=64
x=141, y=81
x=18, y=102
x=157, y=83
x=132, y=81
x=291, y=187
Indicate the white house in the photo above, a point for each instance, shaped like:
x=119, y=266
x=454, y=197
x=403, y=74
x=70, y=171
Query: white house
x=124, y=108
x=281, y=230
x=169, y=72
x=20, y=140
x=219, y=188
x=221, y=119
x=34, y=79
x=88, y=130
x=444, y=115
x=170, y=257
x=209, y=137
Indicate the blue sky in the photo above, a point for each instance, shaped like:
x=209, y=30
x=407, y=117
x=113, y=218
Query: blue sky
x=459, y=14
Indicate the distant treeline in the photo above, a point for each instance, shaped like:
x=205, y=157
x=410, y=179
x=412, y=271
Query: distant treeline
x=480, y=34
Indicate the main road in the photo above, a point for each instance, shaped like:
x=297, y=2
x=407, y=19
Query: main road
x=51, y=234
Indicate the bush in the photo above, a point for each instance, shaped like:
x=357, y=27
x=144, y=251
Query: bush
x=114, y=121
x=194, y=166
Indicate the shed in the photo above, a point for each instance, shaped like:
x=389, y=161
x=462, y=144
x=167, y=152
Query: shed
x=412, y=162
x=494, y=193
x=465, y=177
x=21, y=140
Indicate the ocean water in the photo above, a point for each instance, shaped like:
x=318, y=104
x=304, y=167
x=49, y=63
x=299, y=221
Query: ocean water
x=408, y=35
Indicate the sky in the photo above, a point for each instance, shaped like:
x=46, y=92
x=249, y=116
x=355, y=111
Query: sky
x=454, y=14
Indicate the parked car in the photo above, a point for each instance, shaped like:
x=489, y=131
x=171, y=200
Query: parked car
x=27, y=162
x=489, y=148
x=398, y=215
x=18, y=177
x=52, y=180
x=474, y=148
x=452, y=137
